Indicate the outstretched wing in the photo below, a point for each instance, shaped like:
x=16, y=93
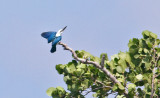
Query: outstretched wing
x=49, y=35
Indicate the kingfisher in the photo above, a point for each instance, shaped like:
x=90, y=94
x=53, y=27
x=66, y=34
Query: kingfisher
x=53, y=37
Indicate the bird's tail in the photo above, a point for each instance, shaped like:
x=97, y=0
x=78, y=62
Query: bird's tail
x=53, y=49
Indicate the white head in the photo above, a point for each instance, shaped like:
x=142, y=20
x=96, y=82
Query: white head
x=60, y=31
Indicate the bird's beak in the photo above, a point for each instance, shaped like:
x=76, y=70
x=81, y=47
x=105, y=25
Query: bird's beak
x=64, y=28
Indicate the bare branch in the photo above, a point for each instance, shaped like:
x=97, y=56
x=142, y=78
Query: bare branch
x=93, y=63
x=154, y=72
x=102, y=62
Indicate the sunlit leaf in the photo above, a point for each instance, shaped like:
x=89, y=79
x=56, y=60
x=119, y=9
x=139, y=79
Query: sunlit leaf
x=83, y=66
x=115, y=87
x=153, y=35
x=50, y=91
x=123, y=64
x=136, y=56
x=146, y=34
x=120, y=96
x=139, y=77
x=119, y=69
x=115, y=56
x=121, y=87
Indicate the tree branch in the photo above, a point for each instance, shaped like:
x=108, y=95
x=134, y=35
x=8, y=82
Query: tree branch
x=154, y=71
x=93, y=63
x=102, y=62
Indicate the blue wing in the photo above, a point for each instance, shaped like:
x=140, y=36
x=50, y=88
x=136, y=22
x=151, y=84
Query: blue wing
x=49, y=35
x=56, y=40
x=54, y=43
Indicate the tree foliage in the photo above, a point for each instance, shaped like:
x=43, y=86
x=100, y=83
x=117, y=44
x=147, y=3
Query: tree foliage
x=137, y=70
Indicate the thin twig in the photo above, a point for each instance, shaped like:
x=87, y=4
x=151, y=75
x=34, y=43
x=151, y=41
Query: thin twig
x=100, y=83
x=102, y=62
x=97, y=89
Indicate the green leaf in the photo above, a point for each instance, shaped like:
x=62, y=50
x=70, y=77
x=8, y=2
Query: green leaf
x=120, y=79
x=147, y=65
x=147, y=77
x=139, y=77
x=150, y=45
x=128, y=58
x=79, y=72
x=158, y=62
x=83, y=66
x=60, y=89
x=158, y=50
x=95, y=95
x=140, y=50
x=74, y=87
x=120, y=96
x=123, y=64
x=146, y=59
x=122, y=55
x=121, y=87
x=140, y=92
x=87, y=74
x=70, y=68
x=66, y=78
x=139, y=68
x=132, y=65
x=67, y=70
x=157, y=41
x=60, y=68
x=142, y=43
x=145, y=50
x=79, y=53
x=146, y=34
x=132, y=77
x=119, y=69
x=131, y=87
x=112, y=65
x=136, y=56
x=133, y=49
x=85, y=84
x=115, y=56
x=50, y=91
x=74, y=62
x=115, y=87
x=153, y=35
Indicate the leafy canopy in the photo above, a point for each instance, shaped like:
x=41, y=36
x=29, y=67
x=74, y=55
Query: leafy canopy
x=138, y=70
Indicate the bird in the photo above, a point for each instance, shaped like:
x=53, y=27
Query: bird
x=53, y=37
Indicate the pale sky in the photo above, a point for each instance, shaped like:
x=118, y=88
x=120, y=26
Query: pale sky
x=27, y=66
